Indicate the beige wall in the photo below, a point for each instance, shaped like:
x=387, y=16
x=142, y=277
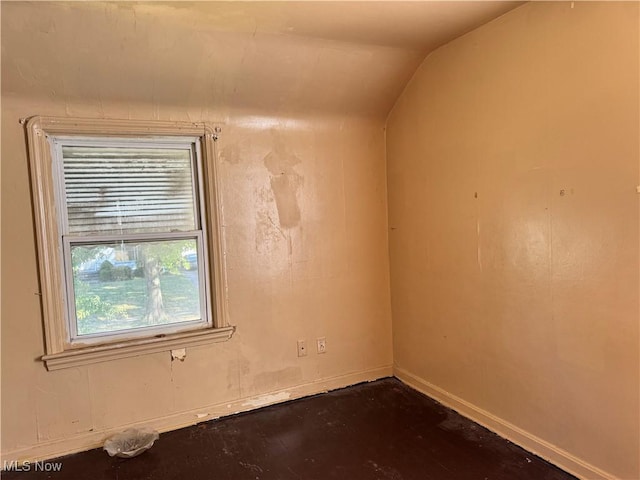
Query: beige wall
x=521, y=305
x=306, y=257
x=323, y=273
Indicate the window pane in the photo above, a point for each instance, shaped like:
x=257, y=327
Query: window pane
x=119, y=190
x=128, y=285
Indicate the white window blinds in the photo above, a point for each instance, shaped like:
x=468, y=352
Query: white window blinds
x=126, y=190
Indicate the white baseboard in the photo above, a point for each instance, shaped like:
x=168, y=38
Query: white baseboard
x=526, y=440
x=59, y=447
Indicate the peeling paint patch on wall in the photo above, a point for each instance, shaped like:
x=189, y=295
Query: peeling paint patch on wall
x=263, y=400
x=285, y=182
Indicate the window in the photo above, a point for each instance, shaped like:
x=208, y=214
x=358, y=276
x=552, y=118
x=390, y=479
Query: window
x=128, y=237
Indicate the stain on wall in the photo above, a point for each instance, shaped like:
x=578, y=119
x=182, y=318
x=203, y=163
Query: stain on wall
x=231, y=154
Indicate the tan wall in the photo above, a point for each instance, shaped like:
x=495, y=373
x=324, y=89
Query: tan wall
x=305, y=258
x=324, y=274
x=523, y=302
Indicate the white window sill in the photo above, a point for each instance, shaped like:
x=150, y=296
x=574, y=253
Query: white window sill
x=133, y=348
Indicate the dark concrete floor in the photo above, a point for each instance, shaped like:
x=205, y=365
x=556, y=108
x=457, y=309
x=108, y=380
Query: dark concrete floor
x=378, y=430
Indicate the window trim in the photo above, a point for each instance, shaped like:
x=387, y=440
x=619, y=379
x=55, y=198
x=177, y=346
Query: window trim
x=60, y=353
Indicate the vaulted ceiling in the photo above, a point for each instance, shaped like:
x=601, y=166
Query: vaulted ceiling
x=277, y=57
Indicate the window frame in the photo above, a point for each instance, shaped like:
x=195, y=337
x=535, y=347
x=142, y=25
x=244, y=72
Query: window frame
x=57, y=143
x=61, y=350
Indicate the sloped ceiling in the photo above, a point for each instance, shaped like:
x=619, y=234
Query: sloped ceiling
x=278, y=57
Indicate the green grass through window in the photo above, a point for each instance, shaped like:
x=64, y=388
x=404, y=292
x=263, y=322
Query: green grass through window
x=121, y=305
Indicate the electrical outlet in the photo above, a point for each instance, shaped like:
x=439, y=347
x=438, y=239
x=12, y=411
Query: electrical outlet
x=302, y=348
x=322, y=345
